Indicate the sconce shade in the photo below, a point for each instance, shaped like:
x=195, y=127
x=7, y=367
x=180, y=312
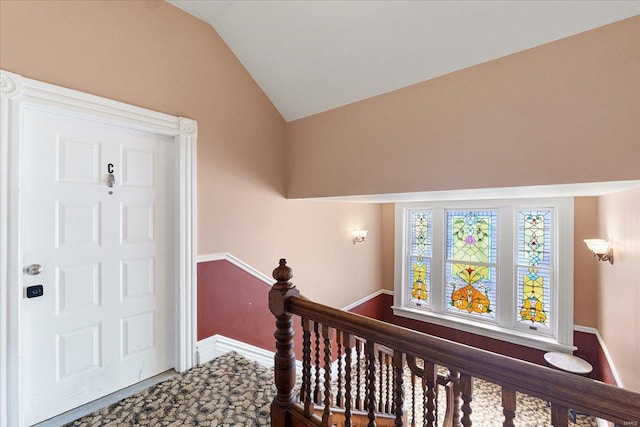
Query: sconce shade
x=601, y=249
x=597, y=246
x=359, y=235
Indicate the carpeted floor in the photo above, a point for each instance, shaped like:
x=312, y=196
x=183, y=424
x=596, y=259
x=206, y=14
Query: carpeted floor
x=233, y=391
x=228, y=391
x=486, y=407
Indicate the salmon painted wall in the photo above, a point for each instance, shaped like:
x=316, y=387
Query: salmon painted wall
x=564, y=112
x=585, y=268
x=151, y=54
x=619, y=299
x=388, y=245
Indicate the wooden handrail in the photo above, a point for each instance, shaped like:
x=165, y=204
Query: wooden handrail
x=563, y=390
x=572, y=391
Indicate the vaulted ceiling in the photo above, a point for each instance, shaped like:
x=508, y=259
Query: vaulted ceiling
x=313, y=56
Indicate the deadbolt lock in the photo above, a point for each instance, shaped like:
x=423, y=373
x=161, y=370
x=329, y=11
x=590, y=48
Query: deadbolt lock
x=33, y=269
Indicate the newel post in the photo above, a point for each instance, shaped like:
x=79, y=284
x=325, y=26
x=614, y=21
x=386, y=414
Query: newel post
x=284, y=359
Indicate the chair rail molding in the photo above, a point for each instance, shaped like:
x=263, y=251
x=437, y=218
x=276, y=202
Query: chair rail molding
x=367, y=298
x=226, y=256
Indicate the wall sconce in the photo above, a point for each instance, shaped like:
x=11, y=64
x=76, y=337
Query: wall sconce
x=601, y=249
x=359, y=235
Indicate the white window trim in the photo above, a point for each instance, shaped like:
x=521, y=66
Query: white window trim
x=561, y=338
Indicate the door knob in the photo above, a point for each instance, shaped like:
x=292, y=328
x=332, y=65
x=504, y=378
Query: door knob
x=33, y=269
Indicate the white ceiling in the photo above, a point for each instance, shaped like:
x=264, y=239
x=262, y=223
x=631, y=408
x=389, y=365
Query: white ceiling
x=312, y=56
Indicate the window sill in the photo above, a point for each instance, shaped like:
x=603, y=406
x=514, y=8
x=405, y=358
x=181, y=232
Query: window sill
x=492, y=331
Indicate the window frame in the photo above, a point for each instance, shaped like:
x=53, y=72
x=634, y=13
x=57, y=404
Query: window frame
x=506, y=326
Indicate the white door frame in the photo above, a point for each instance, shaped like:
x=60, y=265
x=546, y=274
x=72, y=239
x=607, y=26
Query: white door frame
x=18, y=93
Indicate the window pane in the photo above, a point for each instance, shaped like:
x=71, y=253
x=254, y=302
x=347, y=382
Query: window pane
x=420, y=257
x=471, y=236
x=472, y=289
x=420, y=232
x=420, y=279
x=533, y=294
x=533, y=274
x=534, y=238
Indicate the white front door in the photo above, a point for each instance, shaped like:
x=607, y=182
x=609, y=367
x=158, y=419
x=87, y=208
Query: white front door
x=105, y=319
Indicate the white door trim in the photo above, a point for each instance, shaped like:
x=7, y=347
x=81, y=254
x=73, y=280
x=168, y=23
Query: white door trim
x=16, y=93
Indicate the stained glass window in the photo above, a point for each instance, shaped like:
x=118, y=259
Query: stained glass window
x=491, y=267
x=420, y=257
x=471, y=262
x=533, y=269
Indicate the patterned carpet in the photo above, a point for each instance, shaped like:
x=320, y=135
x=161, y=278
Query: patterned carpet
x=228, y=391
x=487, y=407
x=233, y=391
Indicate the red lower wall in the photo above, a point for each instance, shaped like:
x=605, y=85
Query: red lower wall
x=244, y=312
x=589, y=348
x=244, y=315
x=604, y=369
x=372, y=308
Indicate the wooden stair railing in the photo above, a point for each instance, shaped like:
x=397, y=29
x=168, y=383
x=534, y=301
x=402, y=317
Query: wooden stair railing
x=353, y=373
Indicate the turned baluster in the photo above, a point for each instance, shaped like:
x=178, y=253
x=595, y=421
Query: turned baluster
x=454, y=401
x=428, y=376
x=339, y=396
x=398, y=389
x=393, y=400
x=371, y=382
x=413, y=399
x=466, y=390
x=348, y=343
x=326, y=414
x=305, y=390
x=429, y=396
x=389, y=405
x=425, y=420
x=284, y=359
x=508, y=406
x=381, y=381
x=367, y=378
x=316, y=390
x=358, y=375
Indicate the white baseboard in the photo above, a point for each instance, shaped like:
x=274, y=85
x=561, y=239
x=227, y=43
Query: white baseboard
x=217, y=345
